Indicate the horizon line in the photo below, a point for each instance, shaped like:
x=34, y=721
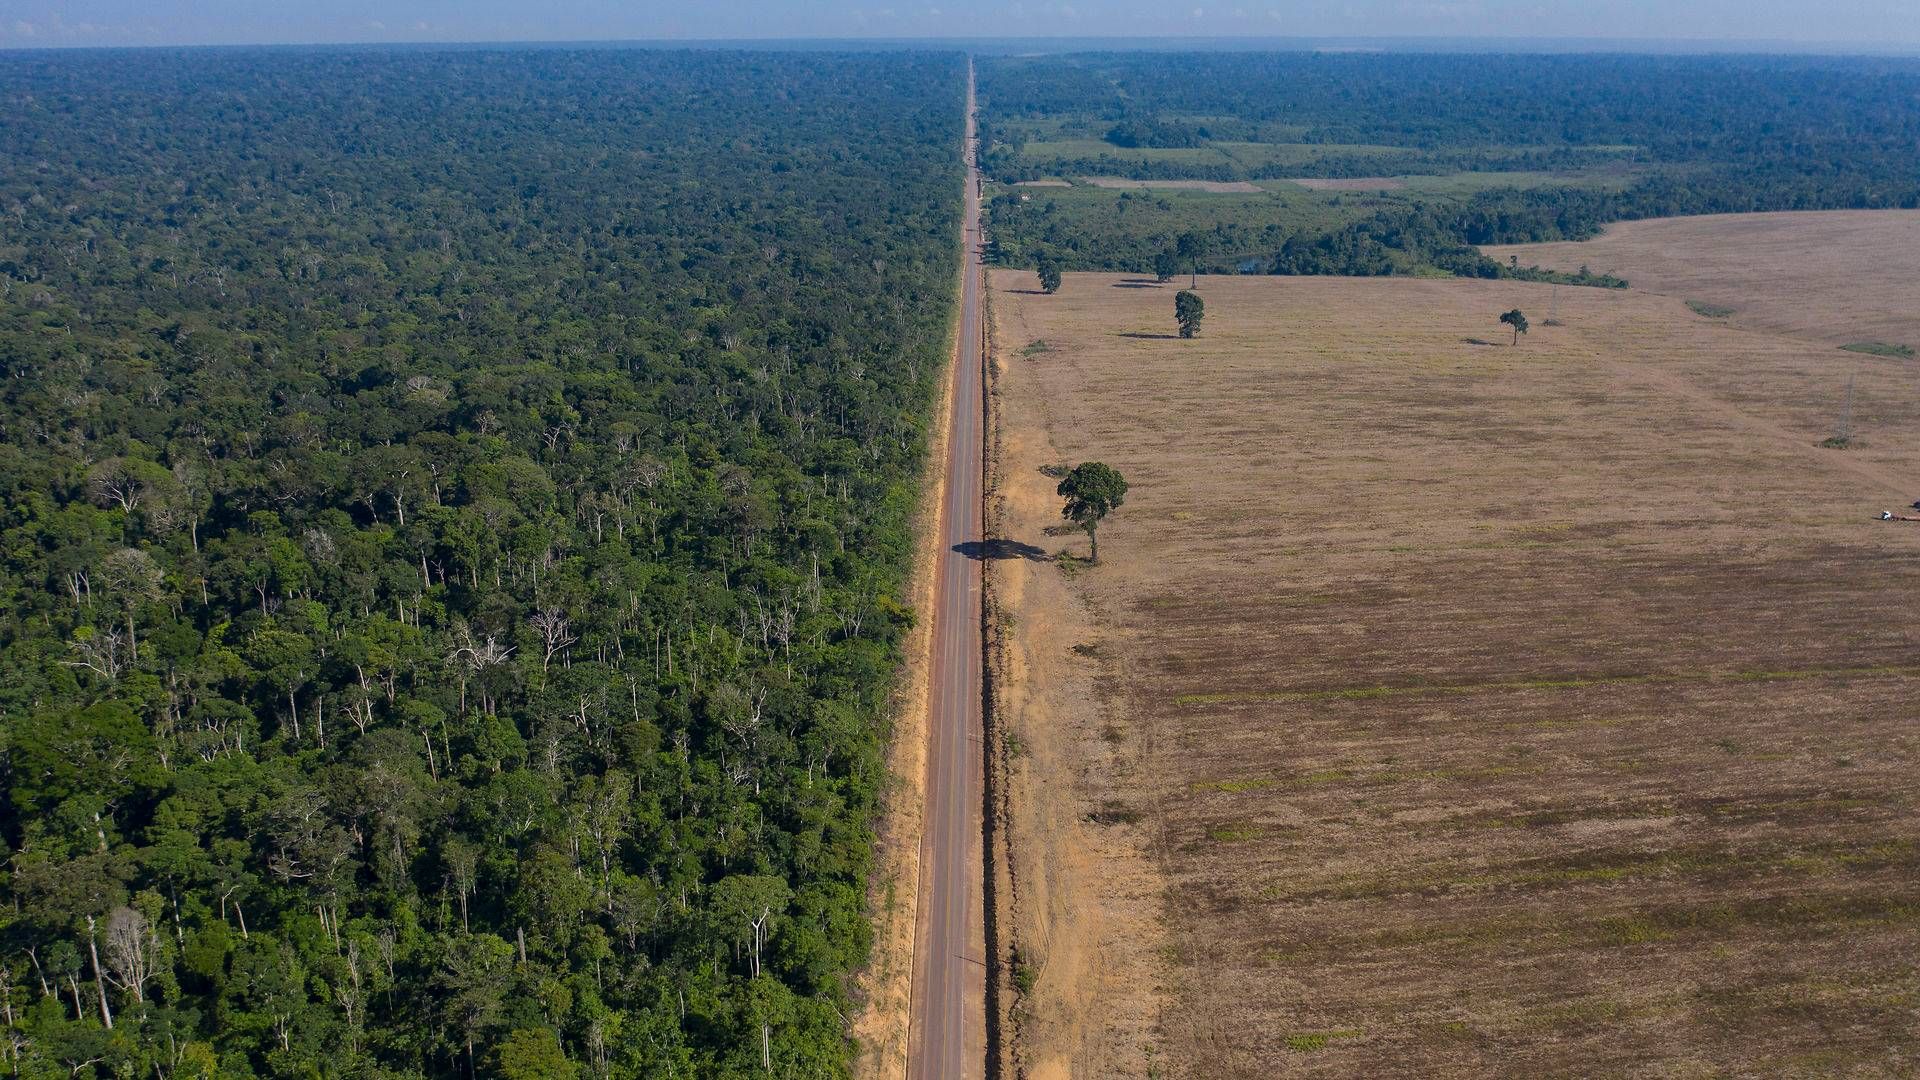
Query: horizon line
x=1463, y=44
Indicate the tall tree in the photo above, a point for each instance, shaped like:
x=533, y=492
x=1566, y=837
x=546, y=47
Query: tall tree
x=1188, y=310
x=1518, y=321
x=1192, y=247
x=1049, y=271
x=1165, y=264
x=1092, y=490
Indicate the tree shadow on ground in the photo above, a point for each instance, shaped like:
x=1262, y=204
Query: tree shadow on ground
x=1028, y=292
x=1151, y=337
x=1000, y=547
x=1137, y=283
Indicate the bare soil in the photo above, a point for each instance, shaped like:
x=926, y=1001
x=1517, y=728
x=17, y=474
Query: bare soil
x=1443, y=707
x=1839, y=276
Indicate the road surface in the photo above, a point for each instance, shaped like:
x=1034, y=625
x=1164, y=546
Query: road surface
x=948, y=1025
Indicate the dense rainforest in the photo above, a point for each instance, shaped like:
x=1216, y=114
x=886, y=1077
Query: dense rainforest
x=455, y=509
x=1696, y=135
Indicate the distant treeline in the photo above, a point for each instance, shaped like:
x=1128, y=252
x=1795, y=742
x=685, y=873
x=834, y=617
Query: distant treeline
x=1704, y=134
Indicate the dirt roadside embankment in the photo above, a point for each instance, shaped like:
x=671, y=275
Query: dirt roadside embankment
x=1079, y=905
x=885, y=988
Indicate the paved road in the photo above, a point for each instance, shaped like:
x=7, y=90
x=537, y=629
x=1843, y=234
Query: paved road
x=948, y=1039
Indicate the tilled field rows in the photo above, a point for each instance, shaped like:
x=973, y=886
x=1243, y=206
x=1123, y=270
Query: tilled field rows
x=1537, y=710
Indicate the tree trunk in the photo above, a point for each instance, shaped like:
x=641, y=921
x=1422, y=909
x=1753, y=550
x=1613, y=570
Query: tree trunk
x=1093, y=536
x=99, y=983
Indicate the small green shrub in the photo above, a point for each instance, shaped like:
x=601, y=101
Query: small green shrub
x=1881, y=348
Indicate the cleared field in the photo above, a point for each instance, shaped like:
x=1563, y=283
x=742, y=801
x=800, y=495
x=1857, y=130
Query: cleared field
x=1218, y=187
x=1452, y=709
x=1463, y=185
x=1837, y=276
x=1352, y=183
x=1244, y=154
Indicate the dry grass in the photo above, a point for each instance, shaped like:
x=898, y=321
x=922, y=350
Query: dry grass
x=1479, y=710
x=1835, y=276
x=1351, y=183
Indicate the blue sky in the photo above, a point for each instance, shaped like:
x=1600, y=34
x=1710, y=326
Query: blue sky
x=29, y=23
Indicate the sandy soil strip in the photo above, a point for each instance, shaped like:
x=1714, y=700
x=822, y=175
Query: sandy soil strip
x=886, y=987
x=1081, y=902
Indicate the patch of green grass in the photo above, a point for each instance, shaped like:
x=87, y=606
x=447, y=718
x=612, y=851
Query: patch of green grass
x=1114, y=813
x=1881, y=348
x=1035, y=348
x=1076, y=149
x=1305, y=1042
x=1234, y=787
x=1464, y=185
x=1025, y=974
x=1235, y=833
x=1711, y=311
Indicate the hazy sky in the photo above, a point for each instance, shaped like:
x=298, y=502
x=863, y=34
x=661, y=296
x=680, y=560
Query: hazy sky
x=171, y=22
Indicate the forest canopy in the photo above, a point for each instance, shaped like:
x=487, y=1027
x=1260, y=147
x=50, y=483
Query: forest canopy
x=455, y=513
x=1586, y=139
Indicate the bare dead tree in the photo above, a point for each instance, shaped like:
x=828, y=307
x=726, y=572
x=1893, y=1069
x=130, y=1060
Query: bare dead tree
x=132, y=951
x=103, y=652
x=555, y=631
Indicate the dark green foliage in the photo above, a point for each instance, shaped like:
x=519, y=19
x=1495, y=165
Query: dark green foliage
x=1092, y=490
x=1188, y=310
x=1165, y=265
x=1517, y=320
x=1881, y=348
x=1685, y=135
x=454, y=505
x=1159, y=134
x=1049, y=272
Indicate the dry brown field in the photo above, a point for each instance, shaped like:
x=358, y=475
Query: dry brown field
x=1444, y=708
x=1839, y=276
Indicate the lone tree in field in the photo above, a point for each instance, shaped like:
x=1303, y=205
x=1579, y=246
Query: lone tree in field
x=1092, y=491
x=1165, y=265
x=1188, y=309
x=1193, y=246
x=1049, y=276
x=1516, y=320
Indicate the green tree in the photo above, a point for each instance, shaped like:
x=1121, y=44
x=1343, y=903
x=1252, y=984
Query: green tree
x=1188, y=310
x=1518, y=321
x=1165, y=264
x=1049, y=271
x=1192, y=247
x=532, y=1054
x=1092, y=490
